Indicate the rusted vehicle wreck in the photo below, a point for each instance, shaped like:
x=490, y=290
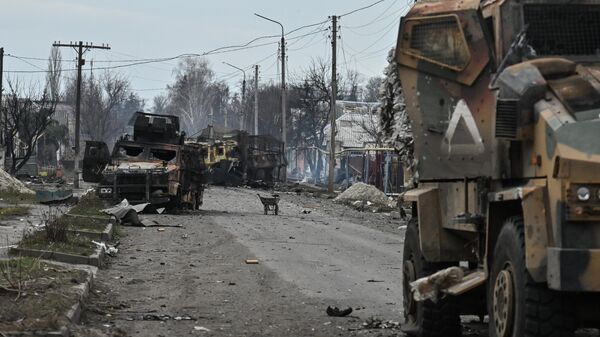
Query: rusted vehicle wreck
x=155, y=166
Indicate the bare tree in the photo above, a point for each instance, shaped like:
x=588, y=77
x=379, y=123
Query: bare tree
x=311, y=101
x=369, y=124
x=159, y=104
x=192, y=94
x=28, y=114
x=53, y=76
x=101, y=104
x=352, y=90
x=372, y=87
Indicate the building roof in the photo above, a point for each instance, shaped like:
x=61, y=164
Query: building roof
x=352, y=129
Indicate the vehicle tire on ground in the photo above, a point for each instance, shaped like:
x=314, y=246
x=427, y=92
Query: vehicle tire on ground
x=517, y=306
x=425, y=319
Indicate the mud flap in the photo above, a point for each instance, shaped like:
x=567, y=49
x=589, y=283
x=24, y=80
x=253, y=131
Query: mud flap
x=95, y=159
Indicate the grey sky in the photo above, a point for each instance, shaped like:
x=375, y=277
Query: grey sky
x=160, y=28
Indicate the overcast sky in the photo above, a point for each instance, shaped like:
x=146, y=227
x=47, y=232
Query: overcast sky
x=141, y=29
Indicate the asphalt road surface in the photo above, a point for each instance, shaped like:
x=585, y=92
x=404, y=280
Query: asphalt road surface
x=193, y=280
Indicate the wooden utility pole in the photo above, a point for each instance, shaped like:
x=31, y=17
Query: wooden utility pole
x=242, y=113
x=334, y=38
x=256, y=100
x=80, y=48
x=283, y=103
x=5, y=140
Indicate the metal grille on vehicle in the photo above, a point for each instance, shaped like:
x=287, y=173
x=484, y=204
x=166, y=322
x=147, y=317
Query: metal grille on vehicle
x=563, y=29
x=440, y=40
x=506, y=118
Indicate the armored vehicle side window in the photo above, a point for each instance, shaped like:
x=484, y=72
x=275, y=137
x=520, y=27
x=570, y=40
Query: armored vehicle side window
x=163, y=154
x=130, y=151
x=439, y=40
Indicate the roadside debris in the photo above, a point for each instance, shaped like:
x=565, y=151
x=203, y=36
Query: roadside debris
x=376, y=323
x=251, y=261
x=201, y=328
x=10, y=183
x=337, y=312
x=365, y=198
x=428, y=288
x=110, y=250
x=127, y=213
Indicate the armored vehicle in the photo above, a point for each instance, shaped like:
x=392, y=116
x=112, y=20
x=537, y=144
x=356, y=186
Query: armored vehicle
x=504, y=102
x=234, y=157
x=155, y=166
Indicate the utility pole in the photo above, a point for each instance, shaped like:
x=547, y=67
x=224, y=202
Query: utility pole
x=283, y=92
x=256, y=100
x=242, y=113
x=5, y=140
x=80, y=48
x=334, y=38
x=283, y=103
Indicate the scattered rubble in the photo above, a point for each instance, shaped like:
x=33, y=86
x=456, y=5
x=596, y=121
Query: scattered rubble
x=365, y=197
x=428, y=288
x=10, y=183
x=376, y=323
x=127, y=213
x=337, y=312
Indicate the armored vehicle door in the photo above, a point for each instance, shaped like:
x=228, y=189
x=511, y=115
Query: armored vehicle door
x=444, y=52
x=95, y=159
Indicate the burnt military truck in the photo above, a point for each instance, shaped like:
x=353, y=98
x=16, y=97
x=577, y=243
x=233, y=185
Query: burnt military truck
x=154, y=166
x=234, y=157
x=504, y=102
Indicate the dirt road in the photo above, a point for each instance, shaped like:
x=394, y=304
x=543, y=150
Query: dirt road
x=194, y=281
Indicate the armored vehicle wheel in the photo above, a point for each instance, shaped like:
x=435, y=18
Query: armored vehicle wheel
x=424, y=319
x=517, y=305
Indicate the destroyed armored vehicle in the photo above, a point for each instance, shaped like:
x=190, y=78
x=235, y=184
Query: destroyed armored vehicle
x=503, y=98
x=233, y=157
x=155, y=166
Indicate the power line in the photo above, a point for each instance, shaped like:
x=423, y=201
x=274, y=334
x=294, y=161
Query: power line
x=376, y=18
x=362, y=8
x=220, y=50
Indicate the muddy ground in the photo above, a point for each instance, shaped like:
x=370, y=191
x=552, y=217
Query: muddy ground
x=194, y=280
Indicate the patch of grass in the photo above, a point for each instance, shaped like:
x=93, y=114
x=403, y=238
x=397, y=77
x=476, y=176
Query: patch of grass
x=12, y=196
x=47, y=294
x=77, y=245
x=118, y=232
x=13, y=211
x=89, y=204
x=81, y=223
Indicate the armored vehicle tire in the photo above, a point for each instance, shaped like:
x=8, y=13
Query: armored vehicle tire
x=518, y=306
x=424, y=319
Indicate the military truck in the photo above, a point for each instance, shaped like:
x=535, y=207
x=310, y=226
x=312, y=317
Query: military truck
x=234, y=157
x=503, y=98
x=154, y=166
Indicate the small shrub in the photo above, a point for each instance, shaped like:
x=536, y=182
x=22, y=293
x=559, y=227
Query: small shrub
x=56, y=231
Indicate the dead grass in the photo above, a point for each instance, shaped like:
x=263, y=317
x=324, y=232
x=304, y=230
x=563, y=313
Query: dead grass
x=12, y=211
x=74, y=244
x=45, y=296
x=11, y=196
x=95, y=225
x=89, y=204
